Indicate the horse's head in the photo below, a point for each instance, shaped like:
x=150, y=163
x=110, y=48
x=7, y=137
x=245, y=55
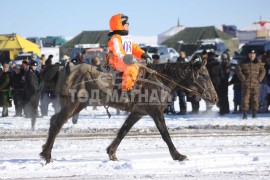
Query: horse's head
x=200, y=82
x=192, y=77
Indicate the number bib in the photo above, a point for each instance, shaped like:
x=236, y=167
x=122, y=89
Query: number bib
x=127, y=44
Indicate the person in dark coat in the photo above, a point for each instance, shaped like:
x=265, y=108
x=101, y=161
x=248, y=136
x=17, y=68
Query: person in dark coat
x=226, y=55
x=49, y=60
x=31, y=96
x=224, y=84
x=5, y=96
x=236, y=93
x=267, y=77
x=170, y=106
x=250, y=72
x=181, y=93
x=215, y=73
x=17, y=85
x=79, y=57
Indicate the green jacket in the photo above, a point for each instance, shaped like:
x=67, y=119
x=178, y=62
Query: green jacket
x=4, y=89
x=251, y=73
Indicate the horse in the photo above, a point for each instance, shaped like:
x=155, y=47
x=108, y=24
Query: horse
x=84, y=84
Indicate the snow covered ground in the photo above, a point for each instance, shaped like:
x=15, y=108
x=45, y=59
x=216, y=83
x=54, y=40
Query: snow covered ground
x=218, y=147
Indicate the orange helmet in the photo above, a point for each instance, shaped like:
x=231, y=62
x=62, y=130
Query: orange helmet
x=117, y=22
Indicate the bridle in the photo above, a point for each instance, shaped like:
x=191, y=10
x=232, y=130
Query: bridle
x=151, y=71
x=194, y=81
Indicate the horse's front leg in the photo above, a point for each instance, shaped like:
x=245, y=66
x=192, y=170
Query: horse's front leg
x=161, y=125
x=57, y=122
x=54, y=129
x=130, y=121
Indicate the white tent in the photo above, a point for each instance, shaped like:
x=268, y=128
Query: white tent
x=170, y=32
x=257, y=26
x=259, y=29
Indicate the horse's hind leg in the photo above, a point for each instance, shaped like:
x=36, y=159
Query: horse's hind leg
x=130, y=121
x=161, y=125
x=57, y=122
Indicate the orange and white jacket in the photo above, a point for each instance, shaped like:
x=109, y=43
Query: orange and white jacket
x=116, y=46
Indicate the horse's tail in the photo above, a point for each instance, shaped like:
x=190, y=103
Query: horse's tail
x=49, y=76
x=50, y=72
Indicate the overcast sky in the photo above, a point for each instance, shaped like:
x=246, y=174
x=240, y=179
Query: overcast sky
x=146, y=17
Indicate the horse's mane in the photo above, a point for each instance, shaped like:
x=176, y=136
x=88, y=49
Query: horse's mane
x=174, y=70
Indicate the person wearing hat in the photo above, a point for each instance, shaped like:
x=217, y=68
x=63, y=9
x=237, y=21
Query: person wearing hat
x=13, y=65
x=79, y=57
x=119, y=45
x=48, y=94
x=42, y=61
x=214, y=70
x=5, y=97
x=224, y=83
x=181, y=93
x=250, y=72
x=65, y=60
x=31, y=93
x=48, y=62
x=33, y=66
x=17, y=86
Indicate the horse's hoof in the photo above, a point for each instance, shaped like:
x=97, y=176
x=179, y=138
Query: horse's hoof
x=183, y=158
x=113, y=158
x=45, y=157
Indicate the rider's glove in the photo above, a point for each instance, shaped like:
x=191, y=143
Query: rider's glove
x=147, y=58
x=129, y=59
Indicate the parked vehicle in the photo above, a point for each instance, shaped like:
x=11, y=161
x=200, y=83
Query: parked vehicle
x=216, y=45
x=82, y=48
x=173, y=54
x=259, y=46
x=90, y=53
x=20, y=57
x=160, y=50
x=199, y=53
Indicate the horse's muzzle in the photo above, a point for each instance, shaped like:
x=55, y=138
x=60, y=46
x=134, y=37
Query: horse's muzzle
x=215, y=99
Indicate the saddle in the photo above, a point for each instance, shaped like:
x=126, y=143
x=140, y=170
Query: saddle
x=87, y=77
x=128, y=59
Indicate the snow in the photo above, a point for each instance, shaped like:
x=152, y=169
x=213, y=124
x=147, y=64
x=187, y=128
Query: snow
x=218, y=147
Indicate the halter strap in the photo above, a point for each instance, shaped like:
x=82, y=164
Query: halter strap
x=172, y=81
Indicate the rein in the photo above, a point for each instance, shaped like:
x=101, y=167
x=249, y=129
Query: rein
x=172, y=81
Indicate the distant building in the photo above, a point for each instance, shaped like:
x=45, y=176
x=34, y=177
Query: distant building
x=53, y=41
x=188, y=40
x=257, y=30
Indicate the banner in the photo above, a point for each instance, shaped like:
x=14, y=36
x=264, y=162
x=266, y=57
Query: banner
x=230, y=29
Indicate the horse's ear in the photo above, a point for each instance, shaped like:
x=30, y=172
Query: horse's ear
x=204, y=62
x=197, y=64
x=195, y=59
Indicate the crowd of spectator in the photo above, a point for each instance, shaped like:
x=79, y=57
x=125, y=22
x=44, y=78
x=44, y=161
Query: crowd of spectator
x=23, y=85
x=251, y=85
